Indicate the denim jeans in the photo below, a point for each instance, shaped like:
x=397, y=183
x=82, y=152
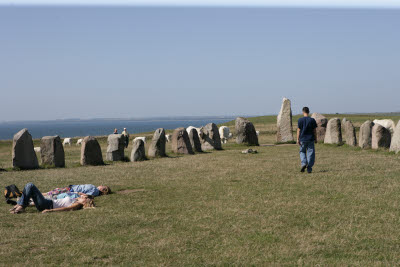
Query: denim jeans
x=31, y=191
x=307, y=154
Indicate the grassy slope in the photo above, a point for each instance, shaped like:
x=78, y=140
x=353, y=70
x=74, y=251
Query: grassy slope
x=217, y=208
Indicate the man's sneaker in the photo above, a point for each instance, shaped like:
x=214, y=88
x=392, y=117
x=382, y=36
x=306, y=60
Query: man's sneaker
x=309, y=171
x=303, y=168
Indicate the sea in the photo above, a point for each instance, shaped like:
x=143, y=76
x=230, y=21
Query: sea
x=101, y=127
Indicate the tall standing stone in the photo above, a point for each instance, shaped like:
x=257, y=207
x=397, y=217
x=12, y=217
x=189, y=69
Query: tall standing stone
x=23, y=153
x=350, y=133
x=180, y=142
x=52, y=151
x=381, y=137
x=245, y=132
x=138, y=151
x=395, y=144
x=91, y=152
x=333, y=133
x=209, y=137
x=365, y=136
x=322, y=122
x=195, y=140
x=284, y=123
x=157, y=145
x=115, y=147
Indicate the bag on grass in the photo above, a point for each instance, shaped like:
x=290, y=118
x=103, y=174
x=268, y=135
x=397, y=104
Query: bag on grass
x=10, y=192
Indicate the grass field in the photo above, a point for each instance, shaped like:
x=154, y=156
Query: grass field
x=216, y=208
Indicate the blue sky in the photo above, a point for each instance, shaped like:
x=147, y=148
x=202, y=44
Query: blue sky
x=134, y=61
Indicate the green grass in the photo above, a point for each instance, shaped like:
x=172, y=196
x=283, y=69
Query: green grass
x=216, y=208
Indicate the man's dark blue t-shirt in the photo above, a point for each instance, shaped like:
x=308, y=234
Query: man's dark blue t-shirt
x=307, y=126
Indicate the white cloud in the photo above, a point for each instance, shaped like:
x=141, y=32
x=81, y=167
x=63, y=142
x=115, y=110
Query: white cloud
x=238, y=3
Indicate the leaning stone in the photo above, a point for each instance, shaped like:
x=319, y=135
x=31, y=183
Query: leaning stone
x=180, y=142
x=365, y=136
x=381, y=137
x=195, y=140
x=350, y=133
x=395, y=144
x=116, y=146
x=52, y=151
x=91, y=152
x=322, y=122
x=333, y=132
x=209, y=137
x=157, y=146
x=284, y=123
x=245, y=132
x=23, y=153
x=138, y=151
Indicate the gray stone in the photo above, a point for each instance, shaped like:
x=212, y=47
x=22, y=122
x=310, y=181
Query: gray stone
x=322, y=122
x=23, y=153
x=284, y=123
x=365, y=136
x=245, y=132
x=52, y=151
x=350, y=133
x=115, y=147
x=333, y=133
x=395, y=144
x=91, y=152
x=180, y=142
x=138, y=151
x=381, y=137
x=157, y=145
x=195, y=140
x=209, y=137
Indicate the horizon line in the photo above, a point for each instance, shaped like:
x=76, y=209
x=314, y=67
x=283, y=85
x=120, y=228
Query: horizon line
x=351, y=4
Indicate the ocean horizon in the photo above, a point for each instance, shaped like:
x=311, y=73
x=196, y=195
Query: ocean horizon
x=100, y=127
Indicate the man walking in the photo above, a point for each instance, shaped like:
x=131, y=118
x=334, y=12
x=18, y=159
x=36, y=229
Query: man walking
x=306, y=137
x=126, y=136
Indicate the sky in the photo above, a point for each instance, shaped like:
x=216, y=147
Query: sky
x=171, y=59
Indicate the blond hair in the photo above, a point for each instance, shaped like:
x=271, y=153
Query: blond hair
x=89, y=204
x=106, y=191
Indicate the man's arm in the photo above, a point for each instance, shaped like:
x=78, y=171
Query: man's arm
x=315, y=135
x=298, y=136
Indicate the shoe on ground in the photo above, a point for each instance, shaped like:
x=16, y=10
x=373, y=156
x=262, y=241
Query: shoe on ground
x=303, y=168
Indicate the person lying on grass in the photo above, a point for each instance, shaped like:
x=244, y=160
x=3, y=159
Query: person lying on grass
x=46, y=205
x=80, y=189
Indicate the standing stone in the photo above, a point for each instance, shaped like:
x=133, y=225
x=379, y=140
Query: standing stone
x=91, y=152
x=209, y=137
x=180, y=142
x=333, y=133
x=157, y=146
x=284, y=123
x=381, y=137
x=322, y=122
x=195, y=140
x=23, y=153
x=365, y=137
x=395, y=144
x=245, y=132
x=52, y=151
x=116, y=146
x=138, y=151
x=350, y=133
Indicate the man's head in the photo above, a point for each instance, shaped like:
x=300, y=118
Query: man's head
x=104, y=190
x=306, y=111
x=115, y=130
x=124, y=129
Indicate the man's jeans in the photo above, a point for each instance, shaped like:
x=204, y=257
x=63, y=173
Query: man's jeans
x=307, y=154
x=31, y=191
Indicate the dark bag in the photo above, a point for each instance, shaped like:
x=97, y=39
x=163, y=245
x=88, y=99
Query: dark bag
x=12, y=191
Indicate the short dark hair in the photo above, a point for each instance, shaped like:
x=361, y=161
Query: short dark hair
x=306, y=110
